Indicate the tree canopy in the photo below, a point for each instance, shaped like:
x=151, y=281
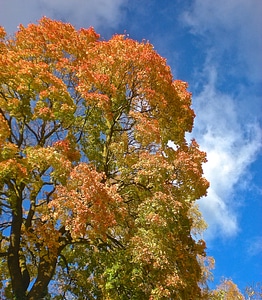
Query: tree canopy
x=98, y=185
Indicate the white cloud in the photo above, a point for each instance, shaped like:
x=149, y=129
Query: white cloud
x=228, y=108
x=98, y=13
x=233, y=29
x=84, y=13
x=230, y=147
x=219, y=217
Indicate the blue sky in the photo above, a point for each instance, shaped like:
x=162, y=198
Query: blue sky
x=216, y=47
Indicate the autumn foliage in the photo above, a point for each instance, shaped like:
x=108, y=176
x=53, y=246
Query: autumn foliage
x=95, y=203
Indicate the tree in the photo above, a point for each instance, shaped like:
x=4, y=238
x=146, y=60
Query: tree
x=95, y=203
x=253, y=291
x=226, y=290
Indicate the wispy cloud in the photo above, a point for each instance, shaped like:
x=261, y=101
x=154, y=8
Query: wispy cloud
x=233, y=29
x=99, y=13
x=255, y=246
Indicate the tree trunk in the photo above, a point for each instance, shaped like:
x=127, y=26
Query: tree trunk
x=46, y=271
x=18, y=285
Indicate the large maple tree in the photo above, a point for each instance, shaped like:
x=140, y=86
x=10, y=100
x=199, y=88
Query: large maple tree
x=97, y=181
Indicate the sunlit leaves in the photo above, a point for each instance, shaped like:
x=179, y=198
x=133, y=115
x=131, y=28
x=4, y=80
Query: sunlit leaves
x=4, y=130
x=86, y=206
x=42, y=159
x=2, y=32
